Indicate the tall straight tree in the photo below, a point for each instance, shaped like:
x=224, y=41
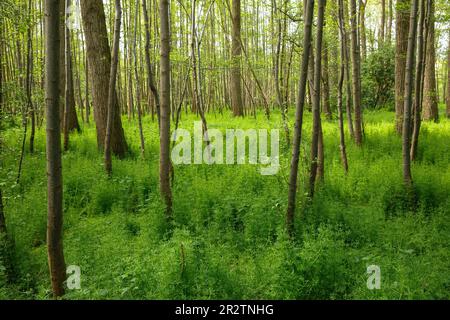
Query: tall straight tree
x=340, y=87
x=316, y=130
x=430, y=100
x=164, y=132
x=299, y=116
x=70, y=115
x=401, y=47
x=150, y=76
x=409, y=76
x=99, y=61
x=420, y=63
x=112, y=85
x=53, y=145
x=356, y=74
x=448, y=77
x=236, y=88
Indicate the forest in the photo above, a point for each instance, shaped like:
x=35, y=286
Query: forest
x=224, y=149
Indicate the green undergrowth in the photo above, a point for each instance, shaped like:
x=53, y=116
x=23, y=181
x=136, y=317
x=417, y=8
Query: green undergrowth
x=227, y=238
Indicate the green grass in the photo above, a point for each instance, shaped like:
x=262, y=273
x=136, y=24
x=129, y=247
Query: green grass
x=228, y=240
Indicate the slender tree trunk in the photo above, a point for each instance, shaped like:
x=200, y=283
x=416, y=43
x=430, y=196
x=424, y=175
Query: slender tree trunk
x=164, y=156
x=30, y=81
x=430, y=100
x=409, y=75
x=326, y=83
x=383, y=22
x=401, y=47
x=356, y=75
x=2, y=216
x=136, y=74
x=309, y=12
x=281, y=104
x=342, y=146
x=418, y=88
x=448, y=77
x=362, y=19
x=111, y=89
x=54, y=172
x=346, y=59
x=389, y=23
x=150, y=76
x=316, y=130
x=70, y=115
x=236, y=88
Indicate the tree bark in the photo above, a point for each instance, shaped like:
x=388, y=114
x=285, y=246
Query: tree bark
x=430, y=100
x=164, y=134
x=53, y=145
x=236, y=88
x=401, y=47
x=70, y=115
x=356, y=75
x=150, y=75
x=383, y=22
x=111, y=88
x=299, y=116
x=362, y=19
x=409, y=75
x=316, y=130
x=418, y=88
x=448, y=77
x=99, y=60
x=342, y=146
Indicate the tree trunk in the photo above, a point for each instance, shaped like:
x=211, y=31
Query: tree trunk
x=53, y=144
x=164, y=133
x=316, y=130
x=409, y=75
x=99, y=60
x=276, y=70
x=138, y=87
x=448, y=77
x=430, y=100
x=340, y=85
x=30, y=80
x=236, y=88
x=111, y=88
x=356, y=75
x=70, y=115
x=401, y=47
x=362, y=19
x=383, y=22
x=418, y=88
x=309, y=12
x=150, y=76
x=326, y=83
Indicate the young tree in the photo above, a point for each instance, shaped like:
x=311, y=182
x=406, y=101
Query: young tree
x=111, y=88
x=164, y=132
x=430, y=100
x=316, y=130
x=409, y=76
x=420, y=63
x=401, y=47
x=340, y=85
x=448, y=77
x=53, y=144
x=299, y=115
x=70, y=115
x=99, y=60
x=236, y=89
x=356, y=74
x=150, y=76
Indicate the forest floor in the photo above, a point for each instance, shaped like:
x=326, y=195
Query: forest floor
x=228, y=239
